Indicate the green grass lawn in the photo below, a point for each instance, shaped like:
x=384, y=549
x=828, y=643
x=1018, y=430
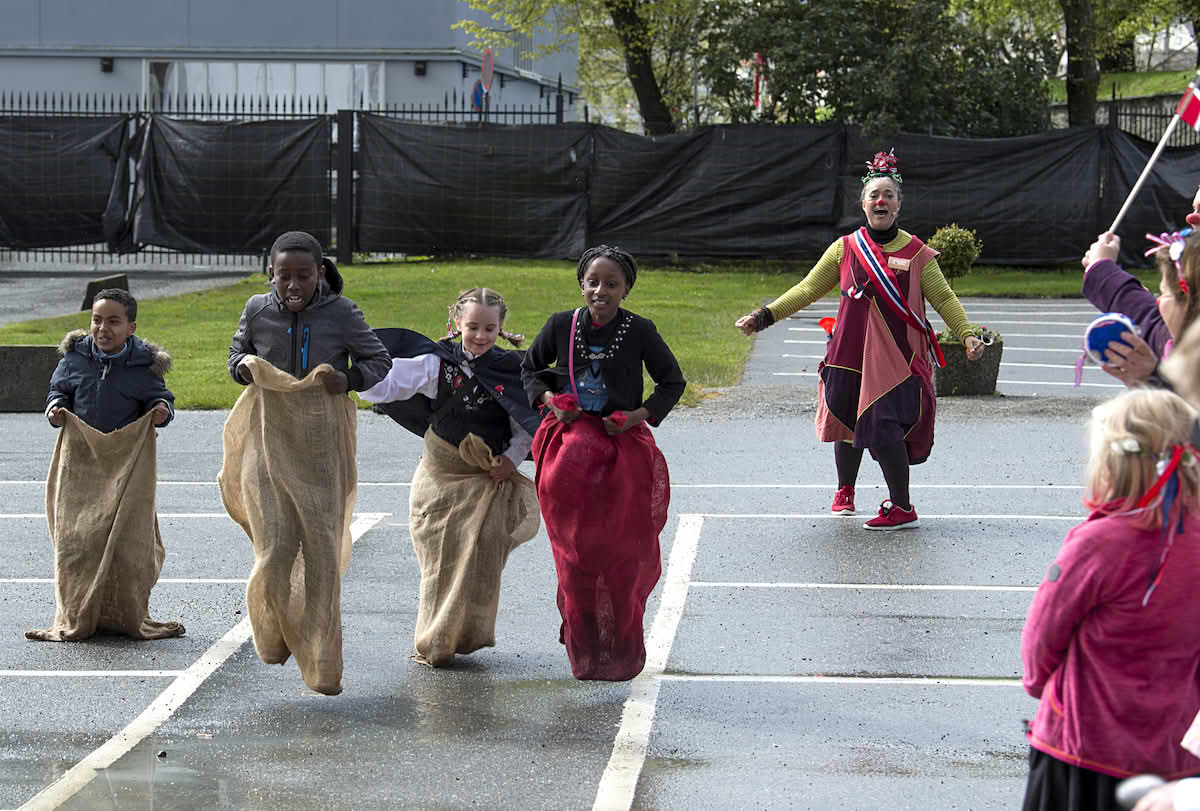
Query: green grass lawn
x=1129, y=85
x=693, y=310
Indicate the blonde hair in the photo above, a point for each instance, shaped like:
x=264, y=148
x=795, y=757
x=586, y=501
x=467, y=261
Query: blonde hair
x=488, y=298
x=1182, y=365
x=1128, y=435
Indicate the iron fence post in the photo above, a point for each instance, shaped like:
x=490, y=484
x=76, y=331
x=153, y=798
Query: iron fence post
x=344, y=163
x=558, y=103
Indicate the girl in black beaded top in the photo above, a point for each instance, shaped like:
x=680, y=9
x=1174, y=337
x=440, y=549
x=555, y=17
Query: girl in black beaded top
x=602, y=483
x=611, y=345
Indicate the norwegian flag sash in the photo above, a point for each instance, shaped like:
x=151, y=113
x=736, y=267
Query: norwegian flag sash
x=870, y=255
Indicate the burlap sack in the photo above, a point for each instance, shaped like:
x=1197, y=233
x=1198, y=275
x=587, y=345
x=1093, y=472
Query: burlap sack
x=107, y=548
x=289, y=479
x=463, y=526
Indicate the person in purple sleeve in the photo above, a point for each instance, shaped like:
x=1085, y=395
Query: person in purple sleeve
x=1160, y=319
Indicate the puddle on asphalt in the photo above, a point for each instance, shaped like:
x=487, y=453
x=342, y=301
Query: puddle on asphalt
x=141, y=779
x=670, y=765
x=539, y=684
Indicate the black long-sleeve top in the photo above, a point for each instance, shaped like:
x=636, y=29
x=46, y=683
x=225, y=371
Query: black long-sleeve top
x=630, y=342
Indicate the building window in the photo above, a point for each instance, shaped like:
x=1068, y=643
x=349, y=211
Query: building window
x=341, y=85
x=523, y=52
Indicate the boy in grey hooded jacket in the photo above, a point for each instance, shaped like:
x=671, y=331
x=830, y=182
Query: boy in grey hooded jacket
x=305, y=321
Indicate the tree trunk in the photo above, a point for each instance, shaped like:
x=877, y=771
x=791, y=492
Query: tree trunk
x=1195, y=33
x=635, y=41
x=1082, y=76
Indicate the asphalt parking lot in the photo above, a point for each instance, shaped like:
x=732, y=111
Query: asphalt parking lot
x=1042, y=340
x=796, y=660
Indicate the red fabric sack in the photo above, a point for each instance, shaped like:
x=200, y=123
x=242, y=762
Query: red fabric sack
x=604, y=500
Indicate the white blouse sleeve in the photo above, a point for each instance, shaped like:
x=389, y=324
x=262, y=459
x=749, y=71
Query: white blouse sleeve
x=1186, y=794
x=408, y=376
x=520, y=444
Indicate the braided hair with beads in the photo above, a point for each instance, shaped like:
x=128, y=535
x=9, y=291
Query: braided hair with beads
x=488, y=298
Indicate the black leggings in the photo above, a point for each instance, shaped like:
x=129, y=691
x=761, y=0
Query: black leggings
x=892, y=459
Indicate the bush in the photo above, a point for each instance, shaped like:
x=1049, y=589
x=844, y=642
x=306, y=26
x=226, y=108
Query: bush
x=986, y=334
x=957, y=248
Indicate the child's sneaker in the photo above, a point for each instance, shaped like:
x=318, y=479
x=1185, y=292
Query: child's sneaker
x=892, y=517
x=843, y=501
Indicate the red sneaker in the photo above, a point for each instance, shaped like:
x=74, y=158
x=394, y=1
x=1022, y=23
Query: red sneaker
x=892, y=517
x=843, y=501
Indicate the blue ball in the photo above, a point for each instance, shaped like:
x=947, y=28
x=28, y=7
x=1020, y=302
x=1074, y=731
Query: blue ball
x=1103, y=330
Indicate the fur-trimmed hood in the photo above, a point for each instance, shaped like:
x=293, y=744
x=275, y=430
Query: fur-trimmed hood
x=141, y=353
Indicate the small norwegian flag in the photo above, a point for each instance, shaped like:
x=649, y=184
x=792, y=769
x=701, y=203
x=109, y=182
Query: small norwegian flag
x=1189, y=108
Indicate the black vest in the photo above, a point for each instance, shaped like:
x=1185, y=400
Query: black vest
x=474, y=410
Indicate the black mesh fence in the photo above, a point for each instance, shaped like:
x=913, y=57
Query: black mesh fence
x=60, y=180
x=1163, y=200
x=212, y=180
x=1031, y=200
x=717, y=191
x=232, y=186
x=504, y=191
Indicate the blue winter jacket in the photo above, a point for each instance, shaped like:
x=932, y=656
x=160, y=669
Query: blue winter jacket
x=109, y=394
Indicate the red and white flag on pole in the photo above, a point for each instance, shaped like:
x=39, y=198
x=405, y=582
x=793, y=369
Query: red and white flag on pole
x=1189, y=108
x=1189, y=111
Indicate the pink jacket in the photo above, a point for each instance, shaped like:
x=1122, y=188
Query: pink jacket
x=1119, y=682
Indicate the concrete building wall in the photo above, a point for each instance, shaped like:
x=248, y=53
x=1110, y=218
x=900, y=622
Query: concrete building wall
x=69, y=74
x=344, y=49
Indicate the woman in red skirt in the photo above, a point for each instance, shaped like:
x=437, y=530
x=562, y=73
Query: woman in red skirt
x=875, y=390
x=602, y=482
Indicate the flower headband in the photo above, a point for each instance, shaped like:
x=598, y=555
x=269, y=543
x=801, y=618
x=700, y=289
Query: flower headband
x=1174, y=243
x=883, y=165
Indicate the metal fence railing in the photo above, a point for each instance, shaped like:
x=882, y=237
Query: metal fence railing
x=1147, y=118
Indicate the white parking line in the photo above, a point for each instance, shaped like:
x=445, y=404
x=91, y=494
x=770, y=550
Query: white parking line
x=73, y=674
x=160, y=515
x=716, y=584
x=1086, y=320
x=619, y=781
x=833, y=486
x=923, y=516
x=1003, y=365
x=1007, y=347
x=163, y=707
x=173, y=580
x=1060, y=383
x=169, y=483
x=920, y=681
x=1024, y=310
x=1071, y=366
x=998, y=382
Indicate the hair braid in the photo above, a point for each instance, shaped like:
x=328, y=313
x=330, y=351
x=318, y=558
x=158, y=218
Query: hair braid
x=488, y=298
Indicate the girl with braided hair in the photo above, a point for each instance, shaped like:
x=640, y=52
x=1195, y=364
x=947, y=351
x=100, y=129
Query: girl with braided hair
x=875, y=386
x=468, y=506
x=602, y=482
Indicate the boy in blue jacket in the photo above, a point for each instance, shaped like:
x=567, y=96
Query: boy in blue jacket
x=108, y=550
x=108, y=377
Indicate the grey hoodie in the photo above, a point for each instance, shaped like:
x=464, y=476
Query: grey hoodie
x=331, y=329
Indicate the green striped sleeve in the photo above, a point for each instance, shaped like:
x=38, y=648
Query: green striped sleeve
x=937, y=292
x=823, y=277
